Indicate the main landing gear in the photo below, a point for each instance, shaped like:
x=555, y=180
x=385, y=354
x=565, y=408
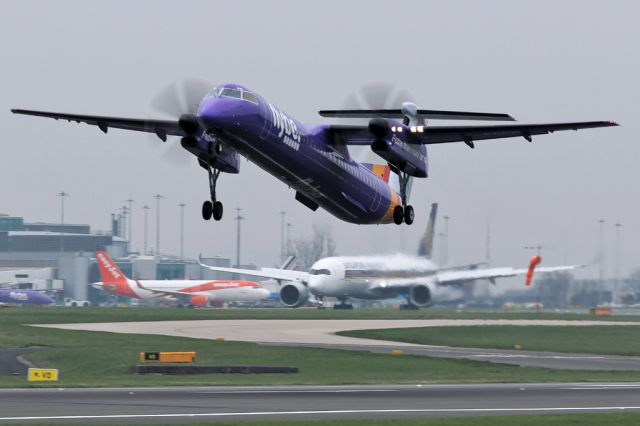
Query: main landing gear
x=403, y=213
x=213, y=207
x=343, y=304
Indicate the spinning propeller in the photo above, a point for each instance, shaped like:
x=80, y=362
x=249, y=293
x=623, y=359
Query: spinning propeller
x=375, y=96
x=180, y=101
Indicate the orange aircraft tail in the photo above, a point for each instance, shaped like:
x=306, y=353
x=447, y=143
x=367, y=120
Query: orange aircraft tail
x=113, y=279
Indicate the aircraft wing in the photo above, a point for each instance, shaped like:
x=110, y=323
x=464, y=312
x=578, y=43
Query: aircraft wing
x=360, y=135
x=161, y=128
x=273, y=273
x=454, y=277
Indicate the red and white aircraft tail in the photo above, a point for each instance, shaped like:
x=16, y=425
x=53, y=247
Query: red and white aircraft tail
x=113, y=279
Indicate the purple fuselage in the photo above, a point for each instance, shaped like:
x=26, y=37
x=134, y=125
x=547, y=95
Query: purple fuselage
x=24, y=297
x=306, y=158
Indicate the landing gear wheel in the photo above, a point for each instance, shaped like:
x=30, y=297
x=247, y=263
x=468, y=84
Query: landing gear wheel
x=217, y=210
x=409, y=307
x=343, y=306
x=207, y=210
x=398, y=215
x=213, y=207
x=218, y=148
x=408, y=215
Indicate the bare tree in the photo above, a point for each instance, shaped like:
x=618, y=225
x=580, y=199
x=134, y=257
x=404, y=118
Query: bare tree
x=311, y=249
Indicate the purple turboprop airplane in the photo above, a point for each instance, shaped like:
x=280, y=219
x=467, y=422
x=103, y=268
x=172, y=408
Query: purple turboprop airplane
x=232, y=120
x=24, y=297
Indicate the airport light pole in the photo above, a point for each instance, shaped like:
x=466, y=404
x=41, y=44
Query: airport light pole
x=181, y=205
x=488, y=244
x=158, y=197
x=123, y=223
x=62, y=194
x=282, y=249
x=601, y=249
x=130, y=210
x=146, y=210
x=445, y=248
x=289, y=225
x=238, y=217
x=616, y=289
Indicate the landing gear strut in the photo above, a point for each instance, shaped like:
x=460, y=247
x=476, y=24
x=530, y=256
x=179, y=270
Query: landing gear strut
x=343, y=304
x=403, y=213
x=213, y=207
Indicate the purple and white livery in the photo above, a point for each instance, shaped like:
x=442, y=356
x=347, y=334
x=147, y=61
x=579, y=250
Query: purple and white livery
x=24, y=297
x=314, y=160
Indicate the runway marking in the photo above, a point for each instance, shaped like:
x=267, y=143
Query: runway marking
x=503, y=355
x=606, y=387
x=312, y=412
x=303, y=391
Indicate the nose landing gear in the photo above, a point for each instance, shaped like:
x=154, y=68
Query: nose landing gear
x=214, y=207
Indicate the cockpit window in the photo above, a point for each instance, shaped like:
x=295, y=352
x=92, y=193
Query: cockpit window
x=228, y=92
x=231, y=93
x=320, y=272
x=248, y=96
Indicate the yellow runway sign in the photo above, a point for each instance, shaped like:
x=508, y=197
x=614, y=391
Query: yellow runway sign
x=167, y=356
x=43, y=374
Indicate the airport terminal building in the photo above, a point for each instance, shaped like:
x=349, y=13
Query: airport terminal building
x=60, y=259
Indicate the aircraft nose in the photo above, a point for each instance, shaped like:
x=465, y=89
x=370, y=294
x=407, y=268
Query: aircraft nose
x=46, y=299
x=218, y=113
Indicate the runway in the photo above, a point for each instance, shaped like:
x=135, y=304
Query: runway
x=321, y=334
x=190, y=404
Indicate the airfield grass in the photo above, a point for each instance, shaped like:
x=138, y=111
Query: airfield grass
x=605, y=340
x=103, y=359
x=588, y=419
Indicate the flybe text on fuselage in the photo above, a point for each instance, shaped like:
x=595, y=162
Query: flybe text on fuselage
x=411, y=148
x=286, y=127
x=16, y=295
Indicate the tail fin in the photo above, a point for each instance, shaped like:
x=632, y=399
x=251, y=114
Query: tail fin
x=109, y=272
x=425, y=248
x=288, y=262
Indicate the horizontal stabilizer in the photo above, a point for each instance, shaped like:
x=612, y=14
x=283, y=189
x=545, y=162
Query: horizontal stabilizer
x=424, y=113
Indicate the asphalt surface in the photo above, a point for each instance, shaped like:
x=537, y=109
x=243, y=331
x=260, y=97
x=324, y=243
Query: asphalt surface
x=192, y=404
x=321, y=334
x=11, y=362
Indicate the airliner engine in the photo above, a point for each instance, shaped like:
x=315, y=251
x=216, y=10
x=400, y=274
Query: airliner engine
x=201, y=301
x=294, y=295
x=420, y=295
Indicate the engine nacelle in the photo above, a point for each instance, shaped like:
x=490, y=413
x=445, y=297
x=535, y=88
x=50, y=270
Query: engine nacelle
x=294, y=295
x=201, y=301
x=395, y=147
x=420, y=295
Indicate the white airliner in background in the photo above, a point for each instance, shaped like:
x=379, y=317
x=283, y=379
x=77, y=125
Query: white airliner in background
x=189, y=292
x=379, y=277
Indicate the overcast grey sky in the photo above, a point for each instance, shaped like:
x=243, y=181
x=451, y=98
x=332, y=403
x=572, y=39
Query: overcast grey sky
x=541, y=61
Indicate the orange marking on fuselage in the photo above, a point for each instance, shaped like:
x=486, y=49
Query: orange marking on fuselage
x=381, y=170
x=220, y=285
x=395, y=201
